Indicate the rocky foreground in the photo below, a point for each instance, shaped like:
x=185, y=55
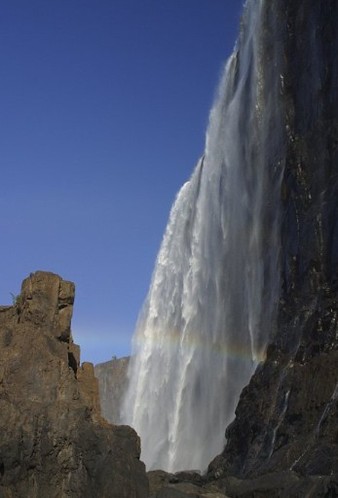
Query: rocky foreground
x=53, y=441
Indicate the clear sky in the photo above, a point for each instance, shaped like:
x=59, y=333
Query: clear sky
x=103, y=110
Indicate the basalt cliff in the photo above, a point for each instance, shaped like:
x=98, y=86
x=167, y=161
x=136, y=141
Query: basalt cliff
x=283, y=441
x=286, y=422
x=53, y=440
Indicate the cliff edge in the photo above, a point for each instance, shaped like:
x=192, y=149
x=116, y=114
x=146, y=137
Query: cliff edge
x=53, y=439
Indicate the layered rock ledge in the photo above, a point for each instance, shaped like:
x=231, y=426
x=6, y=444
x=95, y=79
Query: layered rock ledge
x=53, y=440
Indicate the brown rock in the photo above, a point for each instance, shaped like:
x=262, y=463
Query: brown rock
x=187, y=490
x=47, y=301
x=53, y=440
x=89, y=389
x=187, y=484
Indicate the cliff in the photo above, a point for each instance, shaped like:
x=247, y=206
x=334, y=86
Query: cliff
x=112, y=377
x=283, y=442
x=53, y=439
x=285, y=435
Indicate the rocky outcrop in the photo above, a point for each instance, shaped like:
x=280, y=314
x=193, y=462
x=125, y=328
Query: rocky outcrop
x=284, y=440
x=53, y=439
x=112, y=377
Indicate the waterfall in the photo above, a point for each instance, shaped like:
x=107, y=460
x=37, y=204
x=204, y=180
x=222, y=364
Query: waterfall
x=211, y=304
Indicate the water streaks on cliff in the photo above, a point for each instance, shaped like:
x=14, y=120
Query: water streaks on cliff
x=215, y=284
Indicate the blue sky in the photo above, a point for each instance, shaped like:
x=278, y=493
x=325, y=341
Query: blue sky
x=103, y=111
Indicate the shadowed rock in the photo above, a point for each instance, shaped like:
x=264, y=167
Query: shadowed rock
x=112, y=377
x=53, y=440
x=284, y=439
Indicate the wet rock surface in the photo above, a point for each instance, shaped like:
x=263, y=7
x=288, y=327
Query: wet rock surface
x=53, y=439
x=284, y=440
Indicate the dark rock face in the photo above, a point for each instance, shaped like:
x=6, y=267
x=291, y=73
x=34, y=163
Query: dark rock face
x=112, y=377
x=53, y=440
x=284, y=440
x=181, y=485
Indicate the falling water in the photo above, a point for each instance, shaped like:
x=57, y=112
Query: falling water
x=211, y=303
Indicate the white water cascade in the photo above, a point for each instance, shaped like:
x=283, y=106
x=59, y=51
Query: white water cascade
x=211, y=303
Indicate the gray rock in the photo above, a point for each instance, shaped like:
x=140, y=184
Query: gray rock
x=286, y=419
x=112, y=377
